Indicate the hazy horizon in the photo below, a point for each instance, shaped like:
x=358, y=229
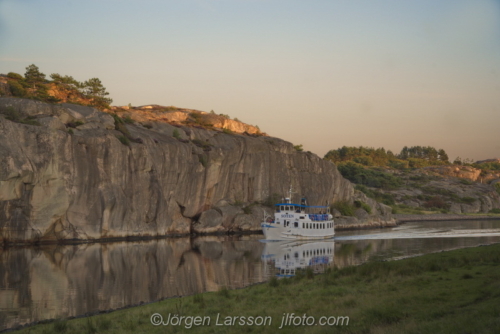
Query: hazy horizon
x=320, y=73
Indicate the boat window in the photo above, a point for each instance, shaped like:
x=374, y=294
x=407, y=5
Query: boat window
x=296, y=224
x=277, y=209
x=282, y=207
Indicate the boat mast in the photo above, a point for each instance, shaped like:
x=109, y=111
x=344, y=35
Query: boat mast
x=290, y=193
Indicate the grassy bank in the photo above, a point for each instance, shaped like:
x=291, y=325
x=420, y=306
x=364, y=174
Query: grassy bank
x=449, y=292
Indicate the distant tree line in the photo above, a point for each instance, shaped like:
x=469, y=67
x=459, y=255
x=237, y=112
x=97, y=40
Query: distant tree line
x=35, y=85
x=409, y=157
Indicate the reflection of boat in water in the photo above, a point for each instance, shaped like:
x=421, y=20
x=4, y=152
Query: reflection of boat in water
x=298, y=221
x=289, y=256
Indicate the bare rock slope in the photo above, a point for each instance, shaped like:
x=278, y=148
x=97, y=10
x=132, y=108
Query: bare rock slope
x=66, y=172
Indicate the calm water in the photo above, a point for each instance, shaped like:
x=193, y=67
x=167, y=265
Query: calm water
x=61, y=281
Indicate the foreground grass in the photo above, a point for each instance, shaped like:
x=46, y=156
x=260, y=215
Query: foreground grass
x=449, y=292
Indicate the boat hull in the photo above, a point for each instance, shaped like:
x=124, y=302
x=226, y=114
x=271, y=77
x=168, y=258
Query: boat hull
x=278, y=232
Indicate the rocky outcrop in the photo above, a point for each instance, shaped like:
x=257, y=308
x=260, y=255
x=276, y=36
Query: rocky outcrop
x=4, y=86
x=379, y=215
x=465, y=172
x=424, y=190
x=74, y=176
x=190, y=117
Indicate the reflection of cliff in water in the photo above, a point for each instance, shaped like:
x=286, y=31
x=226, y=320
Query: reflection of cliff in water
x=61, y=281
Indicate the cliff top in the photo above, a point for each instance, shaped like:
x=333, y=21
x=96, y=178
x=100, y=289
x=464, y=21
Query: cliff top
x=65, y=89
x=183, y=116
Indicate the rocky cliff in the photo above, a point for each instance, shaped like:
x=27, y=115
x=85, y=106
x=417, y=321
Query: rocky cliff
x=448, y=189
x=71, y=172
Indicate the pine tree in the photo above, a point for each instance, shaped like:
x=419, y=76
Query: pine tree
x=93, y=89
x=33, y=76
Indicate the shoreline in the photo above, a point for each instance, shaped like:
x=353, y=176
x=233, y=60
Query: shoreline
x=398, y=220
x=404, y=218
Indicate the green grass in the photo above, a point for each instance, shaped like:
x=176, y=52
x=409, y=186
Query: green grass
x=15, y=116
x=363, y=205
x=345, y=208
x=448, y=292
x=369, y=176
x=128, y=120
x=385, y=198
x=124, y=140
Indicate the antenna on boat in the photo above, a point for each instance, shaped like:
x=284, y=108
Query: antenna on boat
x=290, y=193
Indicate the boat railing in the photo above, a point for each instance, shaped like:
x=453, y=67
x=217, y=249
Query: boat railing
x=318, y=217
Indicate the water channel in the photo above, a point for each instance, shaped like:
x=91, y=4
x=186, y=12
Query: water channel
x=57, y=281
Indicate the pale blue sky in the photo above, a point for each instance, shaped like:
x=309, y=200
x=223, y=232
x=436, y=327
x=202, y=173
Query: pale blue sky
x=319, y=73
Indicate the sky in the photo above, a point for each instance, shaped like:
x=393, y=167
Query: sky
x=321, y=73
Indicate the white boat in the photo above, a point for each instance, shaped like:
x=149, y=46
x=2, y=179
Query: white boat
x=286, y=257
x=298, y=221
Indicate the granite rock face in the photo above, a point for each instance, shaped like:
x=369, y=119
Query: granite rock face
x=466, y=172
x=86, y=184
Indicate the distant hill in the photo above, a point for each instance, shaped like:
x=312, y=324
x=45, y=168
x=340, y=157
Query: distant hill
x=420, y=179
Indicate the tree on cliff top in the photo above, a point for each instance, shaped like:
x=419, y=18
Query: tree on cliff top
x=33, y=76
x=66, y=81
x=94, y=90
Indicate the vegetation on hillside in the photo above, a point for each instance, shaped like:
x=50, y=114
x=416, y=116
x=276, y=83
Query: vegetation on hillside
x=35, y=85
x=398, y=181
x=409, y=157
